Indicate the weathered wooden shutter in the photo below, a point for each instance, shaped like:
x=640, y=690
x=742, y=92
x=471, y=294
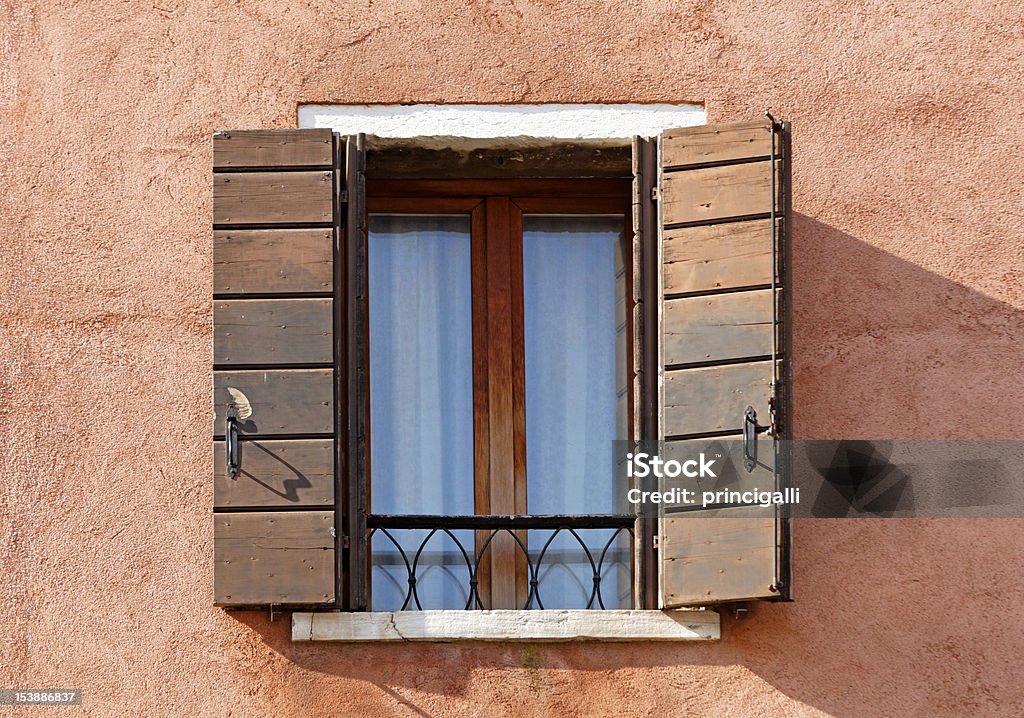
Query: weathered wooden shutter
x=723, y=284
x=277, y=198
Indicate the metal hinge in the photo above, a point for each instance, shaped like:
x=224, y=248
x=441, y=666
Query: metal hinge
x=344, y=539
x=751, y=429
x=774, y=429
x=654, y=193
x=655, y=540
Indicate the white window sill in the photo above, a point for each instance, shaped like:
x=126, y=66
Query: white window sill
x=532, y=626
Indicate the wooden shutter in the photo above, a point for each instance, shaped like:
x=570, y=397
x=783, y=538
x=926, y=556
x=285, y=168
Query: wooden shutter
x=276, y=205
x=722, y=285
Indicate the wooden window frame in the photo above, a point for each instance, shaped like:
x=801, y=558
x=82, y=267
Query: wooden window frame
x=496, y=208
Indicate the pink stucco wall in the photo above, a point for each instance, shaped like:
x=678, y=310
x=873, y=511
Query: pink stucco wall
x=909, y=282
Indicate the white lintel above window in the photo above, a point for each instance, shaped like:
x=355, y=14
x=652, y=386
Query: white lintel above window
x=561, y=121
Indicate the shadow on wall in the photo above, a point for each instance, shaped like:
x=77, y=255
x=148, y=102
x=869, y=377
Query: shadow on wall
x=892, y=617
x=886, y=350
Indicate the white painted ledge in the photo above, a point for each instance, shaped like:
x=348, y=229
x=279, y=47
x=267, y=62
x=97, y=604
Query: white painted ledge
x=532, y=626
x=569, y=121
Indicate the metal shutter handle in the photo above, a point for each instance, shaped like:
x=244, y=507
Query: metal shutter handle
x=231, y=442
x=749, y=439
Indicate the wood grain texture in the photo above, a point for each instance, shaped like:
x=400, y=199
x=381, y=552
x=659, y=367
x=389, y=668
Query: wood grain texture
x=727, y=454
x=410, y=160
x=352, y=386
x=646, y=251
x=519, y=188
x=717, y=327
x=710, y=399
x=272, y=148
x=712, y=557
x=273, y=331
x=716, y=143
x=276, y=473
x=712, y=177
x=715, y=193
x=268, y=261
x=481, y=404
x=285, y=401
x=718, y=256
x=516, y=269
x=500, y=388
x=282, y=558
x=273, y=197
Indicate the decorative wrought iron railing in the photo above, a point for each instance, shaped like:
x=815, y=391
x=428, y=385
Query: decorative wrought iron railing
x=593, y=558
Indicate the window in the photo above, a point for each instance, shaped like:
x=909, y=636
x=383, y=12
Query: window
x=417, y=380
x=498, y=349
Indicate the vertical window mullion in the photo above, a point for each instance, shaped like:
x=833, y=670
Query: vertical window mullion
x=481, y=402
x=518, y=350
x=500, y=382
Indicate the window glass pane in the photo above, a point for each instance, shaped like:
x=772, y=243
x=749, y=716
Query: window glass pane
x=576, y=396
x=421, y=398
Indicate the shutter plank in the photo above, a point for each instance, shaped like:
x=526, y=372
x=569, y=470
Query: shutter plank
x=719, y=327
x=273, y=197
x=272, y=148
x=717, y=256
x=716, y=193
x=730, y=473
x=274, y=558
x=284, y=401
x=266, y=261
x=273, y=331
x=715, y=143
x=713, y=399
x=717, y=556
x=276, y=473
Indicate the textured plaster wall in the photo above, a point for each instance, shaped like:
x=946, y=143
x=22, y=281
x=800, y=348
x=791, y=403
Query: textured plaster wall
x=909, y=299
